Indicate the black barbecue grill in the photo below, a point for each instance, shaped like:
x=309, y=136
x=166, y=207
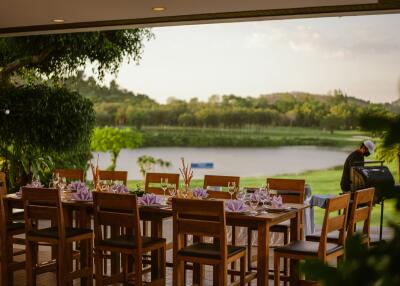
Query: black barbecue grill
x=377, y=176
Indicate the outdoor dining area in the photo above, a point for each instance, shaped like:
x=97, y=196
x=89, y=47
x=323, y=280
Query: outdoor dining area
x=102, y=234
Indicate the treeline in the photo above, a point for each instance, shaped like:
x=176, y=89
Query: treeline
x=116, y=106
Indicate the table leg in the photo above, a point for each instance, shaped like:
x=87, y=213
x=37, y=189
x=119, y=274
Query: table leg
x=263, y=254
x=294, y=236
x=156, y=255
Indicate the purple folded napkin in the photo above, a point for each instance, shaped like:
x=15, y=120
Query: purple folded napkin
x=82, y=192
x=276, y=202
x=200, y=193
x=149, y=200
x=235, y=206
x=261, y=195
x=75, y=186
x=119, y=189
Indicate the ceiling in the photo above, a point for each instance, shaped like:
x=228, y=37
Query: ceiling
x=23, y=17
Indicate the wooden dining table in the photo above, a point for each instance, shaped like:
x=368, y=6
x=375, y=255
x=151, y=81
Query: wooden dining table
x=156, y=214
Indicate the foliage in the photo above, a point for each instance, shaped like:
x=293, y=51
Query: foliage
x=378, y=265
x=116, y=106
x=58, y=55
x=147, y=163
x=387, y=126
x=112, y=140
x=45, y=127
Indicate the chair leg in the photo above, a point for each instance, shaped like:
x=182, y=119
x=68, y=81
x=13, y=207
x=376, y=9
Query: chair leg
x=233, y=264
x=163, y=264
x=138, y=269
x=223, y=274
x=178, y=273
x=99, y=259
x=285, y=261
x=30, y=263
x=277, y=270
x=62, y=262
x=242, y=270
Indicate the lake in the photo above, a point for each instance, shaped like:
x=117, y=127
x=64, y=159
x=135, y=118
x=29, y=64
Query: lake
x=244, y=162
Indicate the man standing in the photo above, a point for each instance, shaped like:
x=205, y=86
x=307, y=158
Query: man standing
x=356, y=158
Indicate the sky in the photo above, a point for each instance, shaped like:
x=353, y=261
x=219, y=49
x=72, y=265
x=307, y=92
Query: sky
x=359, y=55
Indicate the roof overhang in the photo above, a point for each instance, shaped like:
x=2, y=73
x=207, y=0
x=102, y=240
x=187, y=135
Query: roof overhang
x=27, y=17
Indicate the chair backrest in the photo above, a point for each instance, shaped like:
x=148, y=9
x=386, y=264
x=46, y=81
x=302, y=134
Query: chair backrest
x=334, y=220
x=291, y=190
x=43, y=204
x=3, y=220
x=3, y=184
x=219, y=181
x=155, y=178
x=120, y=210
x=199, y=218
x=114, y=176
x=71, y=174
x=361, y=211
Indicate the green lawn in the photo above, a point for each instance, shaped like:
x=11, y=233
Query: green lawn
x=248, y=137
x=322, y=182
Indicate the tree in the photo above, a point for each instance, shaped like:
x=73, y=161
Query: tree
x=112, y=140
x=332, y=122
x=59, y=55
x=388, y=127
x=42, y=126
x=146, y=163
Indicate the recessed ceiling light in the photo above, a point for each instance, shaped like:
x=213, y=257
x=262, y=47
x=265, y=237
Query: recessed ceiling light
x=58, y=20
x=158, y=9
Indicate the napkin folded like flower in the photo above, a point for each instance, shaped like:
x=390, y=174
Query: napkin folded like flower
x=82, y=192
x=200, y=193
x=262, y=195
x=235, y=206
x=119, y=189
x=149, y=200
x=75, y=186
x=276, y=202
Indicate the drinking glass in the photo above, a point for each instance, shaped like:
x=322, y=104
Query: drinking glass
x=62, y=184
x=231, y=188
x=254, y=201
x=241, y=194
x=164, y=184
x=54, y=180
x=172, y=190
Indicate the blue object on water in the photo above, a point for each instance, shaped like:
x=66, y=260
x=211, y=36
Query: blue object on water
x=206, y=165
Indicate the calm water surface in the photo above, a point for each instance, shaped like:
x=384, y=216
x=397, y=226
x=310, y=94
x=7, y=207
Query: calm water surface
x=244, y=162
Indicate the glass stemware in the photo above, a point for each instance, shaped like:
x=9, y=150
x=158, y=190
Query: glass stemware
x=241, y=194
x=254, y=201
x=62, y=183
x=164, y=184
x=172, y=190
x=231, y=188
x=54, y=180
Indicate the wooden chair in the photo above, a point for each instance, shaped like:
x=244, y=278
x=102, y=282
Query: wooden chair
x=301, y=250
x=121, y=211
x=152, y=178
x=360, y=211
x=203, y=218
x=114, y=176
x=72, y=174
x=8, y=230
x=219, y=181
x=45, y=204
x=3, y=184
x=291, y=191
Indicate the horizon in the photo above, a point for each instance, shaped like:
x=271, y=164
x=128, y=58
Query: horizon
x=359, y=55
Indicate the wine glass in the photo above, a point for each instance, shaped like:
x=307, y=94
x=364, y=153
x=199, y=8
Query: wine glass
x=104, y=187
x=54, y=180
x=172, y=190
x=62, y=183
x=241, y=194
x=164, y=184
x=254, y=201
x=231, y=188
